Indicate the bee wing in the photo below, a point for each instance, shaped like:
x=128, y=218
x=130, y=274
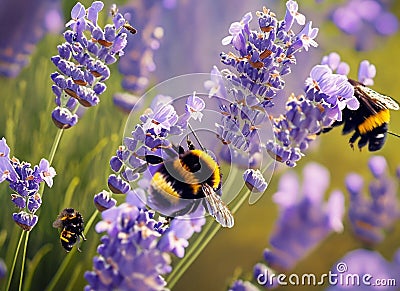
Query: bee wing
x=383, y=100
x=217, y=208
x=58, y=223
x=372, y=99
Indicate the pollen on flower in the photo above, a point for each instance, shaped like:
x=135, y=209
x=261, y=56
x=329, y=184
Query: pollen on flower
x=80, y=55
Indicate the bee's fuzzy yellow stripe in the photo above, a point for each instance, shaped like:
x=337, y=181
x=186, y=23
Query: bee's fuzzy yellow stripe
x=212, y=165
x=374, y=121
x=163, y=186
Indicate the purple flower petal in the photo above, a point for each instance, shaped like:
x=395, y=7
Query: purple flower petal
x=94, y=10
x=103, y=201
x=377, y=166
x=25, y=220
x=254, y=180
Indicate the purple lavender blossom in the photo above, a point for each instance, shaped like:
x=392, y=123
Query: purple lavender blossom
x=292, y=14
x=117, y=185
x=307, y=36
x=327, y=96
x=371, y=216
x=243, y=120
x=175, y=238
x=151, y=137
x=194, y=106
x=263, y=274
x=25, y=220
x=25, y=181
x=364, y=19
x=132, y=229
x=18, y=42
x=45, y=172
x=236, y=31
x=262, y=57
x=367, y=266
x=334, y=62
x=216, y=86
x=6, y=166
x=240, y=285
x=82, y=62
x=333, y=88
x=303, y=222
x=127, y=101
x=139, y=63
x=295, y=129
x=254, y=180
x=366, y=73
x=129, y=230
x=64, y=118
x=162, y=118
x=3, y=269
x=103, y=201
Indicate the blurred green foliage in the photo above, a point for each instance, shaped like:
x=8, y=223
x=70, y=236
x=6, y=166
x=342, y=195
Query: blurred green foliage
x=81, y=162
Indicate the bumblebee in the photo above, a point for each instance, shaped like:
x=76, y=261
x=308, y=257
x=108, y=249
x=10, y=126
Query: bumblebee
x=71, y=223
x=370, y=121
x=127, y=26
x=178, y=184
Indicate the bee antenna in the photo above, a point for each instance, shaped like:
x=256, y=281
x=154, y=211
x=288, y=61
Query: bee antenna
x=394, y=134
x=196, y=137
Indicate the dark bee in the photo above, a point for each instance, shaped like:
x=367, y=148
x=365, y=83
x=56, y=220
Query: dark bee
x=71, y=223
x=114, y=11
x=370, y=121
x=130, y=28
x=179, y=183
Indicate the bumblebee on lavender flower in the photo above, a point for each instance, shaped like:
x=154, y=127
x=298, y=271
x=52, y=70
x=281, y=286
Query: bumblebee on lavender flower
x=370, y=121
x=71, y=223
x=179, y=183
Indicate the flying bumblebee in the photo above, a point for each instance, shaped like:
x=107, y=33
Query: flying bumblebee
x=370, y=121
x=71, y=223
x=178, y=184
x=127, y=26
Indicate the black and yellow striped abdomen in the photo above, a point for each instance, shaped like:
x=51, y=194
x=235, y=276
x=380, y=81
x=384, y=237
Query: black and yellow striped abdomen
x=184, y=177
x=374, y=120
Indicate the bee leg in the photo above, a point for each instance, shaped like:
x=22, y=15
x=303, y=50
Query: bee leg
x=181, y=150
x=353, y=139
x=363, y=142
x=190, y=145
x=78, y=243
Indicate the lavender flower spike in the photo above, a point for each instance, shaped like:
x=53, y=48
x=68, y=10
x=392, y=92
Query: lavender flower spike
x=132, y=229
x=24, y=181
x=103, y=201
x=371, y=217
x=7, y=171
x=82, y=62
x=303, y=222
x=366, y=265
x=292, y=14
x=254, y=180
